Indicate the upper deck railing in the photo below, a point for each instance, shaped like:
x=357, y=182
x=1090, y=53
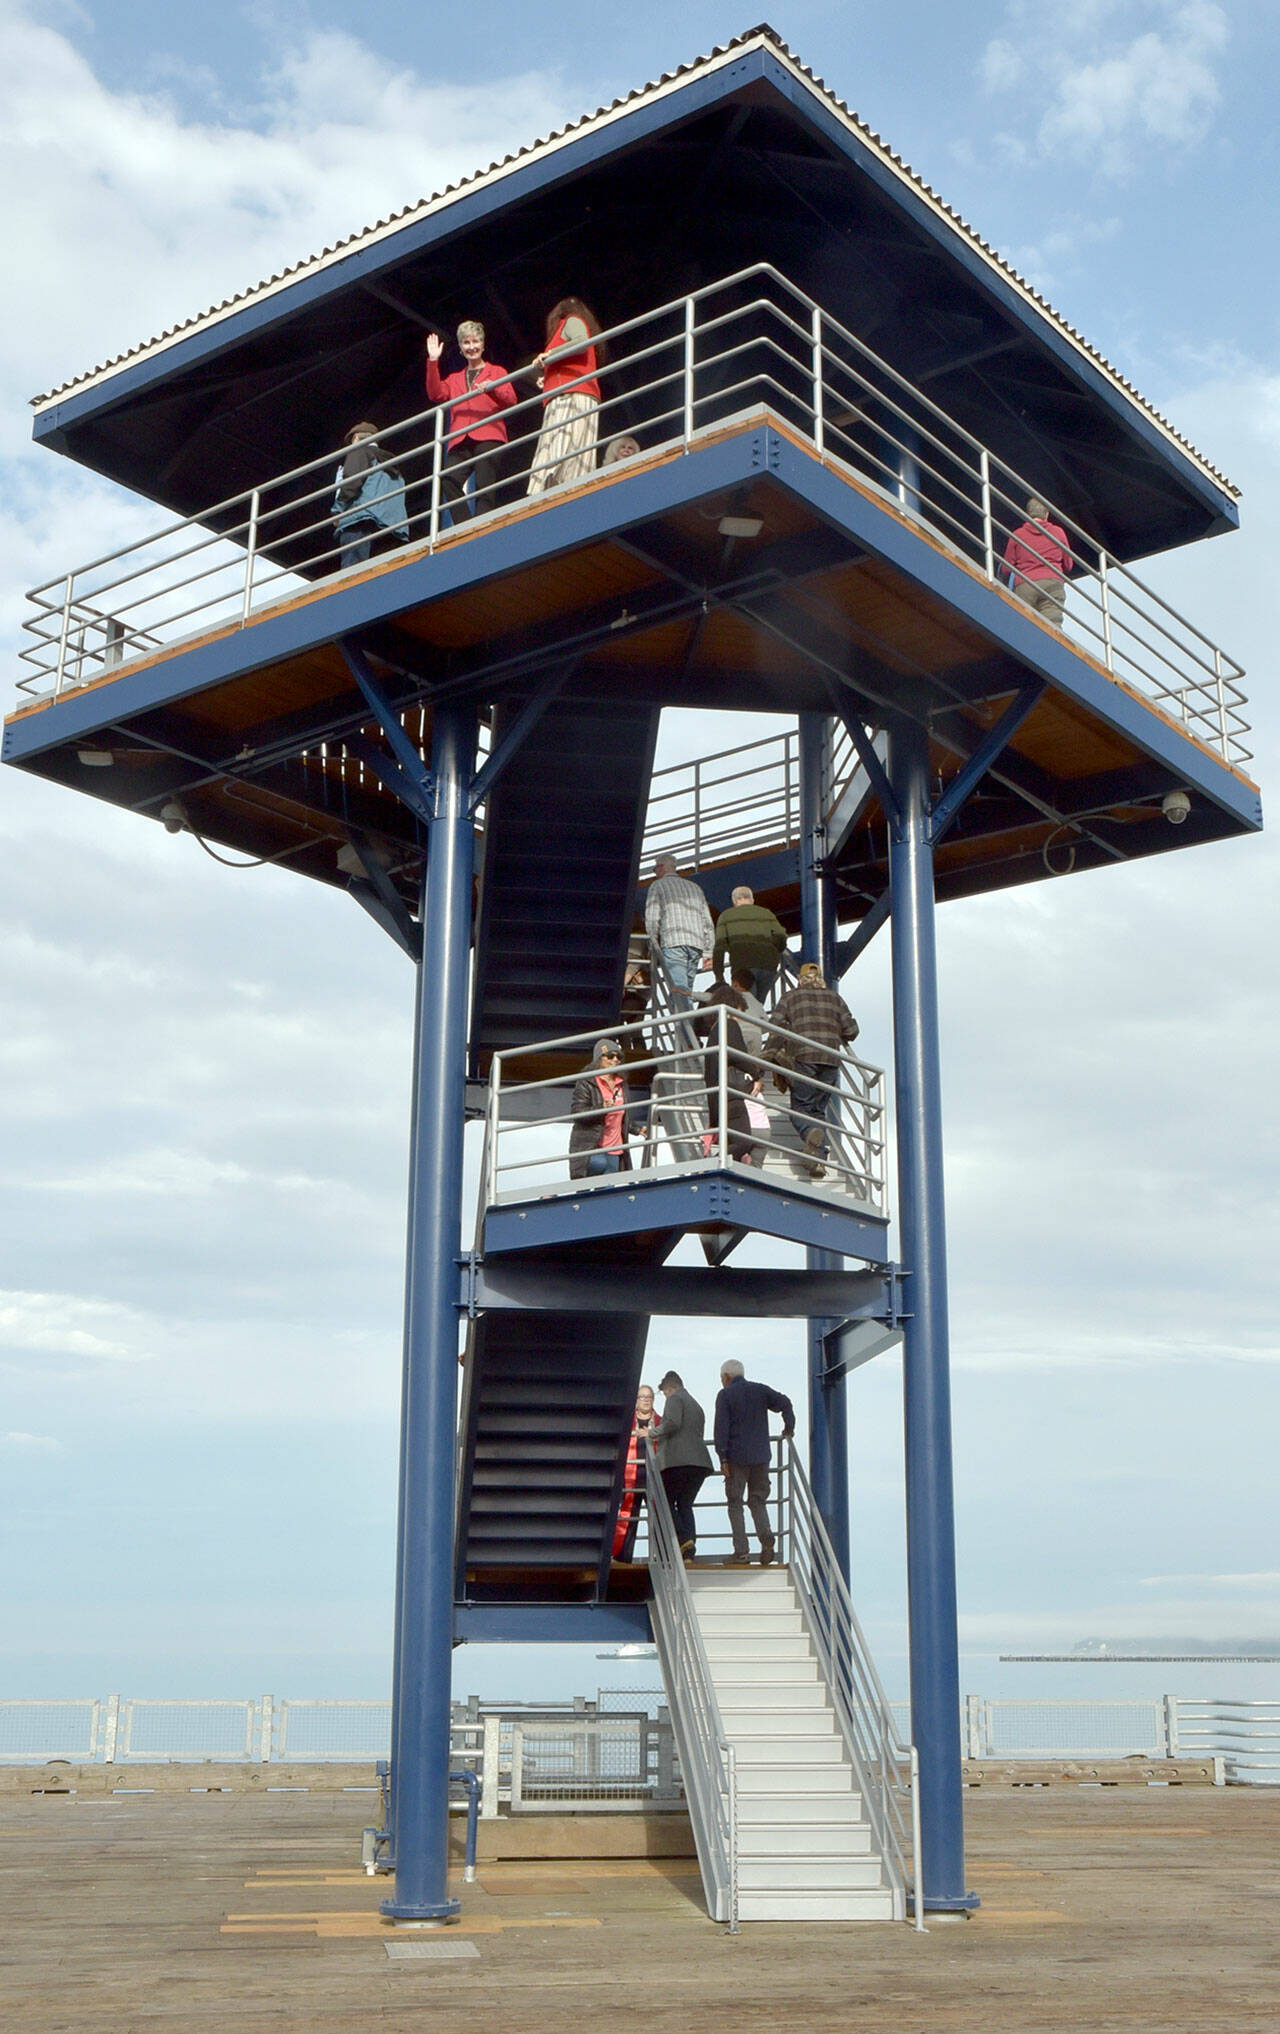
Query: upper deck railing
x=749, y=341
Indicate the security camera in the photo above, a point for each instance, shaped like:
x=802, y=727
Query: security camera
x=1175, y=806
x=173, y=817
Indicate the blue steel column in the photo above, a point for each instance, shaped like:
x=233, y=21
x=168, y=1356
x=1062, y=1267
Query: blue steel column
x=931, y=1557
x=828, y=1409
x=424, y=1610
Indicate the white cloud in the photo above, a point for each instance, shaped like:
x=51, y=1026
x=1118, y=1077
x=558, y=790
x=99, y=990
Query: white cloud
x=57, y=1324
x=1264, y=1578
x=1099, y=88
x=33, y=1443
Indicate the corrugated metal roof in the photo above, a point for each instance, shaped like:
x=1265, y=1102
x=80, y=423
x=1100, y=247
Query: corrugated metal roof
x=765, y=37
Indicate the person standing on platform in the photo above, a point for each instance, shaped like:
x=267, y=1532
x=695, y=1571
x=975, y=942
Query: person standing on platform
x=566, y=448
x=743, y=1445
x=368, y=505
x=646, y=1421
x=680, y=928
x=684, y=1459
x=474, y=425
x=1038, y=559
x=826, y=1024
x=601, y=1109
x=748, y=936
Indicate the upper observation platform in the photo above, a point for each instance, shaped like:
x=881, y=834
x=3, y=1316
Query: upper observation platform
x=804, y=480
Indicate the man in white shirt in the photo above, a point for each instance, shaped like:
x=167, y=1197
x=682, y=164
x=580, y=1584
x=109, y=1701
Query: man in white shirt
x=680, y=927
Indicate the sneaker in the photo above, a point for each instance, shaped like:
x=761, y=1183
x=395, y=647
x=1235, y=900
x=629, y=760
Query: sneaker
x=814, y=1139
x=767, y=1556
x=687, y=1547
x=816, y=1171
x=737, y=1560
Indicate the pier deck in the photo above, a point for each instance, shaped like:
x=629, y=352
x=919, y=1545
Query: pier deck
x=1111, y=1909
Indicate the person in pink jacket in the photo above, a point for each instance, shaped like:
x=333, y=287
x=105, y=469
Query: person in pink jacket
x=1038, y=560
x=474, y=426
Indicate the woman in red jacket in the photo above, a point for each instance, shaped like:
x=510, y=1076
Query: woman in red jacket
x=570, y=396
x=475, y=426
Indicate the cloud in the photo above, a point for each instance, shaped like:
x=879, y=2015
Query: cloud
x=1097, y=87
x=58, y=1324
x=1264, y=1578
x=34, y=1443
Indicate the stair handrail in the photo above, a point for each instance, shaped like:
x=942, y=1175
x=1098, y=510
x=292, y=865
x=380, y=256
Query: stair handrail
x=885, y=1766
x=707, y=1760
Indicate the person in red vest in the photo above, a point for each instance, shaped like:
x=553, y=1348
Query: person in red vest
x=477, y=395
x=566, y=446
x=1038, y=561
x=633, y=1476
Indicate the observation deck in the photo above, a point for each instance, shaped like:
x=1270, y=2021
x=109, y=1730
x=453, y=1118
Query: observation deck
x=793, y=526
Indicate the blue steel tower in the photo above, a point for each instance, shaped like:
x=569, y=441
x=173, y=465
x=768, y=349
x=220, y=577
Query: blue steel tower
x=860, y=468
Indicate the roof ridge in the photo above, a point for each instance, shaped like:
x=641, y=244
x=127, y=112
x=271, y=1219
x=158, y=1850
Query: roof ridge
x=763, y=32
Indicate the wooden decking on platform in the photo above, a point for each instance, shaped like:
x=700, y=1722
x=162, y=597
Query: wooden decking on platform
x=1104, y=1911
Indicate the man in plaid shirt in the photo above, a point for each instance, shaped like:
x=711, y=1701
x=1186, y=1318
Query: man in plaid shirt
x=679, y=926
x=825, y=1021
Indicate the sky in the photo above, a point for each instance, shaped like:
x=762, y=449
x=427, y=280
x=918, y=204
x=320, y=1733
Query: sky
x=204, y=1074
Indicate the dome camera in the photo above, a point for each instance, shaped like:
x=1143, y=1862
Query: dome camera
x=1175, y=806
x=173, y=816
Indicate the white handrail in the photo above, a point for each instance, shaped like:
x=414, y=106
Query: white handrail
x=885, y=1767
x=706, y=1757
x=689, y=361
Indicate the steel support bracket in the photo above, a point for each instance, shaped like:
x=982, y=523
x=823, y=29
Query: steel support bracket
x=981, y=759
x=470, y=1264
x=415, y=771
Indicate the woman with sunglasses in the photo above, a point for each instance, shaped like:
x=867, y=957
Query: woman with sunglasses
x=600, y=1107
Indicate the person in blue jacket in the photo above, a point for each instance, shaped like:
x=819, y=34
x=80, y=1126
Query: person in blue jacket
x=368, y=504
x=743, y=1445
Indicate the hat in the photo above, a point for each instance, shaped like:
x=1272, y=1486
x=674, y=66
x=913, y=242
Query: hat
x=603, y=1045
x=810, y=971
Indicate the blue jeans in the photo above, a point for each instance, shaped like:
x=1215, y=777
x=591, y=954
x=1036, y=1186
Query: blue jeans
x=681, y=964
x=809, y=1100
x=603, y=1161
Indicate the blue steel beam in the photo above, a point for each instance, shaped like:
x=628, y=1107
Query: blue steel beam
x=848, y=950
x=513, y=1284
x=828, y=1406
x=931, y=1559
x=424, y=1609
x=415, y=795
x=971, y=773
x=721, y=1198
x=528, y=717
x=551, y=1623
x=394, y=919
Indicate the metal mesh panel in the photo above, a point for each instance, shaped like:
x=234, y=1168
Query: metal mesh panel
x=47, y=1730
x=596, y=1763
x=186, y=1730
x=650, y=1700
x=333, y=1730
x=1053, y=1729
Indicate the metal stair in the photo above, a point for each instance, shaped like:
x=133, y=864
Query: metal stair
x=805, y=1849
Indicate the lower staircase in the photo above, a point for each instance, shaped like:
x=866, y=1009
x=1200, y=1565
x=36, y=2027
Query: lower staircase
x=805, y=1845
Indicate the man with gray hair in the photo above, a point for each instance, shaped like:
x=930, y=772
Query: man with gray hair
x=745, y=1450
x=749, y=937
x=475, y=427
x=679, y=926
x=1038, y=562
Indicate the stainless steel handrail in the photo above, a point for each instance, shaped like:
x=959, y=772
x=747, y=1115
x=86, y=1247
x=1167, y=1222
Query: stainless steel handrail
x=774, y=347
x=885, y=1766
x=706, y=1757
x=855, y=1158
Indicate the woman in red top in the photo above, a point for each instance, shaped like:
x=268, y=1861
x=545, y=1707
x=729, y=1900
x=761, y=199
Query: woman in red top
x=475, y=425
x=566, y=446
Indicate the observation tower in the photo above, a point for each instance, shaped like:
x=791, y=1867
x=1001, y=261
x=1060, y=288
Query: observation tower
x=825, y=406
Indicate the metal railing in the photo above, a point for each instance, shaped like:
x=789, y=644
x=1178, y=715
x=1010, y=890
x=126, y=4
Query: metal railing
x=749, y=343
x=1244, y=1735
x=739, y=801
x=707, y=1760
x=884, y=1763
x=836, y=1096
x=600, y=1763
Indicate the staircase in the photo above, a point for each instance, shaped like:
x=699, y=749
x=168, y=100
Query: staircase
x=805, y=1847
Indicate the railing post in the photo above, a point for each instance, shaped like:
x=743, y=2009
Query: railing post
x=437, y=468
x=722, y=1083
x=688, y=369
x=819, y=416
x=250, y=555
x=491, y=1766
x=491, y=1138
x=266, y=1723
x=1223, y=736
x=110, y=1730
x=973, y=1726
x=697, y=814
x=63, y=634
x=988, y=526
x=1171, y=1746
x=1104, y=587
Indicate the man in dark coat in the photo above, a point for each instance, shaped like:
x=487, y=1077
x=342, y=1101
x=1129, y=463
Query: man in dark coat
x=743, y=1445
x=684, y=1460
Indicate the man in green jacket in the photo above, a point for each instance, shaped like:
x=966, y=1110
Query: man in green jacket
x=752, y=939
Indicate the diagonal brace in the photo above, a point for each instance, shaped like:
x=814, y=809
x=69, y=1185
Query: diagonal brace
x=388, y=719
x=417, y=797
x=870, y=760
x=848, y=950
x=529, y=715
x=374, y=890
x=979, y=762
